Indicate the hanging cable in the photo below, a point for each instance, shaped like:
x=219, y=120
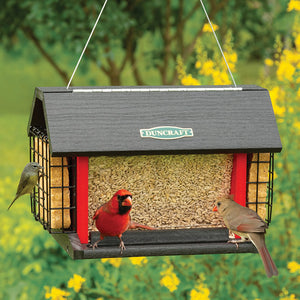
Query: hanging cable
x=218, y=42
x=87, y=42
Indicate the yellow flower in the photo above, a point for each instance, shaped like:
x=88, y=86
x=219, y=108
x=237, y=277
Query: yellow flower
x=284, y=295
x=297, y=42
x=198, y=64
x=207, y=28
x=279, y=110
x=291, y=56
x=180, y=67
x=269, y=62
x=294, y=5
x=207, y=68
x=200, y=292
x=220, y=78
x=294, y=266
x=76, y=282
x=138, y=260
x=169, y=279
x=285, y=71
x=231, y=57
x=55, y=293
x=274, y=94
x=116, y=262
x=190, y=80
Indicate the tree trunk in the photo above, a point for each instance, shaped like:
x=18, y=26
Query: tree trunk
x=31, y=36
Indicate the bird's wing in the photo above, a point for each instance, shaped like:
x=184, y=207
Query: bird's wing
x=97, y=212
x=103, y=208
x=247, y=223
x=24, y=180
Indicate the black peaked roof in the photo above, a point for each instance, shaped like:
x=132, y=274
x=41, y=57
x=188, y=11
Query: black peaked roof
x=107, y=120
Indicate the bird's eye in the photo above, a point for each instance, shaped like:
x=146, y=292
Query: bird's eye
x=219, y=204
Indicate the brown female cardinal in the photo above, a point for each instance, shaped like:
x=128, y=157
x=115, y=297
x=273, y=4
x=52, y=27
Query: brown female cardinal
x=113, y=219
x=247, y=224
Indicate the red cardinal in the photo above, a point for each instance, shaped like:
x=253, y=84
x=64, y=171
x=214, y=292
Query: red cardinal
x=113, y=219
x=246, y=223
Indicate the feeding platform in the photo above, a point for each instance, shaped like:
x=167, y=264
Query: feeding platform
x=177, y=149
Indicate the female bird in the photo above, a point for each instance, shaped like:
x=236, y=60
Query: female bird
x=246, y=223
x=29, y=178
x=113, y=219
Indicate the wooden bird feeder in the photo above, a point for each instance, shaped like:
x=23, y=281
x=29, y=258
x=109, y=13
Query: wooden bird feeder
x=176, y=149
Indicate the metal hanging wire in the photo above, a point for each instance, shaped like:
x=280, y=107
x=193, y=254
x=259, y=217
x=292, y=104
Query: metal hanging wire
x=212, y=28
x=86, y=44
x=99, y=16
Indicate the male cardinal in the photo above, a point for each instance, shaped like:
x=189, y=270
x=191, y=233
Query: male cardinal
x=29, y=178
x=247, y=224
x=113, y=219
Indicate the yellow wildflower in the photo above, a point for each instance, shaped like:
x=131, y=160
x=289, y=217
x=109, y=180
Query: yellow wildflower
x=284, y=295
x=116, y=262
x=220, y=78
x=200, y=292
x=207, y=68
x=297, y=42
x=294, y=5
x=56, y=294
x=291, y=56
x=198, y=64
x=279, y=110
x=180, y=67
x=76, y=282
x=293, y=266
x=297, y=126
x=269, y=62
x=207, y=28
x=190, y=80
x=169, y=279
x=138, y=260
x=285, y=71
x=231, y=60
x=275, y=94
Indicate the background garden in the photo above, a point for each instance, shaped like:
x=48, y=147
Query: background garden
x=151, y=43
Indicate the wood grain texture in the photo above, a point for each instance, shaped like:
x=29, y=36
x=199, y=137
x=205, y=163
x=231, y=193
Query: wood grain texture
x=109, y=123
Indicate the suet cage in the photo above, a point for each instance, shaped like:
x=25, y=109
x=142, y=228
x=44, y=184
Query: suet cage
x=176, y=149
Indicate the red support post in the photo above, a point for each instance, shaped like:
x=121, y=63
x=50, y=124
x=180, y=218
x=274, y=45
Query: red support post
x=239, y=177
x=82, y=198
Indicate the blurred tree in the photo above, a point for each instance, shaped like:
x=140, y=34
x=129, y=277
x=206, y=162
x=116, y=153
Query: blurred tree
x=169, y=27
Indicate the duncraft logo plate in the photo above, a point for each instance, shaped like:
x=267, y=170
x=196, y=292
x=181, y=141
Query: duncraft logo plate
x=166, y=133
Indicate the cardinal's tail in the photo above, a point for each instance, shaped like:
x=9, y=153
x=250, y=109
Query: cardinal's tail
x=269, y=264
x=258, y=239
x=134, y=225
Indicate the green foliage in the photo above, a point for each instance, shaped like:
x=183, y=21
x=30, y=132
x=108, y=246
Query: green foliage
x=117, y=43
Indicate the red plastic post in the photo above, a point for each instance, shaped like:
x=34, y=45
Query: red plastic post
x=239, y=177
x=82, y=198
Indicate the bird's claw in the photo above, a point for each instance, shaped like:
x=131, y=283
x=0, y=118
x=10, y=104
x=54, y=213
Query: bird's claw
x=234, y=241
x=94, y=245
x=122, y=247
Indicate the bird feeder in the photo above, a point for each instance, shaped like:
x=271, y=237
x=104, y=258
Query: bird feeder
x=176, y=149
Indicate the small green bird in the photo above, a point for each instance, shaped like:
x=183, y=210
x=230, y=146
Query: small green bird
x=29, y=178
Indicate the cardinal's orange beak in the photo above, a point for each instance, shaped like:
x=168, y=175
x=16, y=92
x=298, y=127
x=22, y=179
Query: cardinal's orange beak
x=215, y=208
x=127, y=202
